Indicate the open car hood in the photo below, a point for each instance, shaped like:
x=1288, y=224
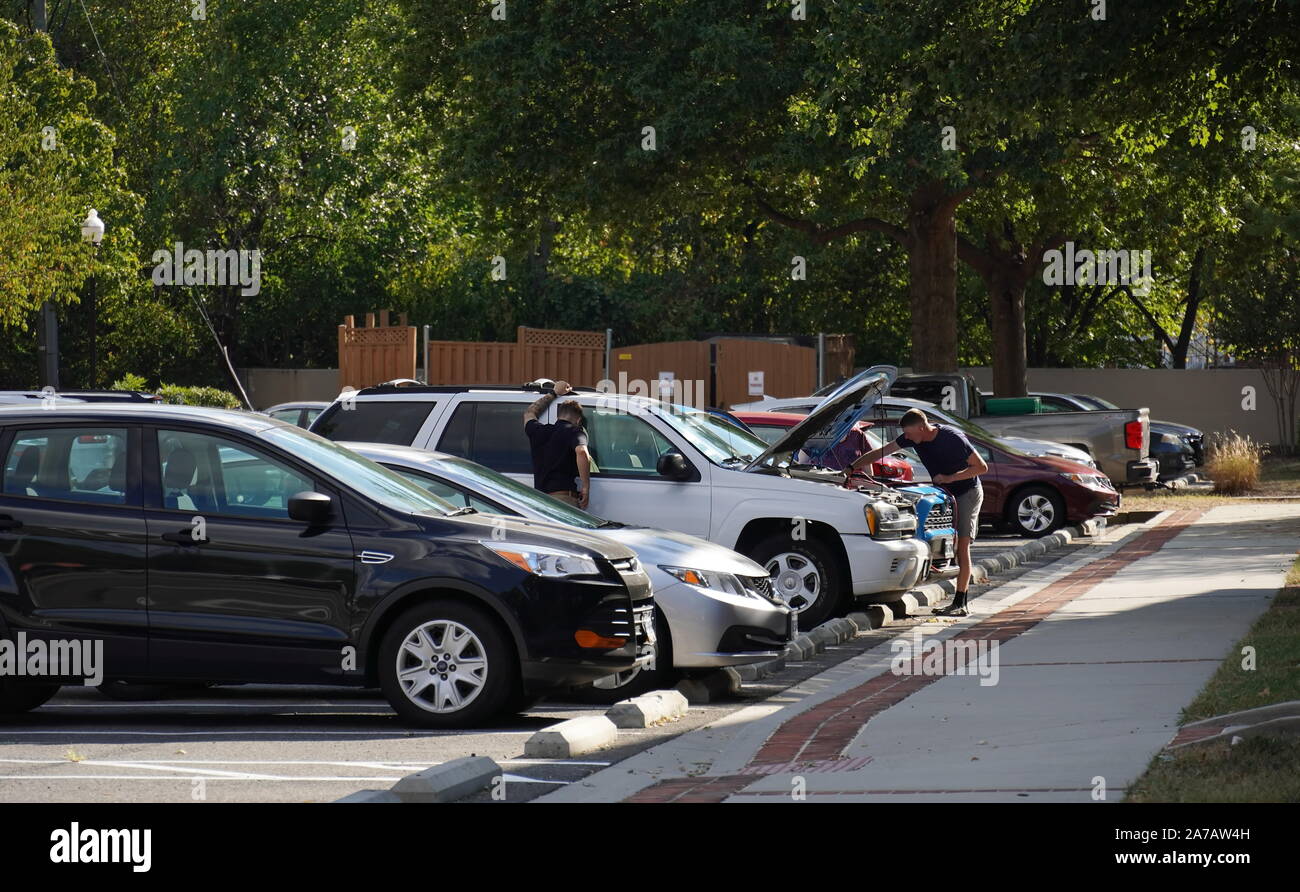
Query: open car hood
x=834, y=416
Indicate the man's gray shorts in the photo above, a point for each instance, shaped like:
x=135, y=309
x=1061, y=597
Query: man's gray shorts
x=967, y=520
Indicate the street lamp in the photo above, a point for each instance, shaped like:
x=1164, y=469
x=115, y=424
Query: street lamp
x=92, y=232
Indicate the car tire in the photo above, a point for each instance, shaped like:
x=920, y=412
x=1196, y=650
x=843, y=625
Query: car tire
x=803, y=568
x=1035, y=511
x=453, y=698
x=20, y=698
x=625, y=685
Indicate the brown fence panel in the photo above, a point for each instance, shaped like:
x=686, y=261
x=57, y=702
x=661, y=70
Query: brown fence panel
x=574, y=356
x=472, y=363
x=376, y=353
x=840, y=357
x=636, y=369
x=787, y=370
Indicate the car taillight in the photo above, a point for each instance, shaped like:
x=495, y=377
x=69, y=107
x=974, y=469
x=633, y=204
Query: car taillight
x=1133, y=434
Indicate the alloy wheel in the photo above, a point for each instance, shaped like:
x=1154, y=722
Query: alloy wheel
x=442, y=666
x=793, y=575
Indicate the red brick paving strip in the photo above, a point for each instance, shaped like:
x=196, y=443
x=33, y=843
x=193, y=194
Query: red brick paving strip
x=822, y=732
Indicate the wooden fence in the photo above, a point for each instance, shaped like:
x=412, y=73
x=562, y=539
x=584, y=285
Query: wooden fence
x=375, y=353
x=574, y=356
x=714, y=373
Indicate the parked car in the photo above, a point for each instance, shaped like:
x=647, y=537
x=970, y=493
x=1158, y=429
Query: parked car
x=1030, y=495
x=799, y=407
x=715, y=607
x=1177, y=447
x=301, y=414
x=1118, y=440
x=209, y=546
x=675, y=467
x=771, y=426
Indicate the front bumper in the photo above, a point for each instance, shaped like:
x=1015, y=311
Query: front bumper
x=880, y=567
x=712, y=628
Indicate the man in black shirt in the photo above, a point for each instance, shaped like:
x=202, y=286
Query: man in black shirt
x=559, y=450
x=953, y=464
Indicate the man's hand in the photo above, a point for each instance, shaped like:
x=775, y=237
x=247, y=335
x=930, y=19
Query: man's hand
x=563, y=387
x=583, y=498
x=942, y=478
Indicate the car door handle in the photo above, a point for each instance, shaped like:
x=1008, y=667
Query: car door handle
x=184, y=537
x=9, y=523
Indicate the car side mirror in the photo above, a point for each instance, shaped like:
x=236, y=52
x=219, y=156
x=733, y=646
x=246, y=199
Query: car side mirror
x=310, y=507
x=673, y=466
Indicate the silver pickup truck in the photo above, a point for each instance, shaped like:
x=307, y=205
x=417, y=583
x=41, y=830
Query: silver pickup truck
x=1118, y=441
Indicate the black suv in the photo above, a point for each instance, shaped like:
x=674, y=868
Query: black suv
x=200, y=545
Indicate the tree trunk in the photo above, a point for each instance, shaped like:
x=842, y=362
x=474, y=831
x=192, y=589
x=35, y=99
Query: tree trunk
x=1189, y=314
x=1006, y=289
x=932, y=267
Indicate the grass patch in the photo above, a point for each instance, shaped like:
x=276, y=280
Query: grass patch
x=1279, y=477
x=1255, y=770
x=1261, y=769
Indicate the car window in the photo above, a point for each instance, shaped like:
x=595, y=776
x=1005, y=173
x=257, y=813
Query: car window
x=625, y=445
x=310, y=416
x=491, y=434
x=374, y=421
x=1056, y=404
x=206, y=474
x=289, y=415
x=446, y=491
x=82, y=464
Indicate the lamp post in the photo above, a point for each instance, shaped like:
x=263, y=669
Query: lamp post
x=92, y=232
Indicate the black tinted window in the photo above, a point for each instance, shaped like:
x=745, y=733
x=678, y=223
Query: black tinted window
x=374, y=421
x=76, y=464
x=499, y=439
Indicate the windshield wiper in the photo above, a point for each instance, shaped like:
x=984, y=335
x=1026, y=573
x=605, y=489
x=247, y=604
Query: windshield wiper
x=610, y=525
x=466, y=510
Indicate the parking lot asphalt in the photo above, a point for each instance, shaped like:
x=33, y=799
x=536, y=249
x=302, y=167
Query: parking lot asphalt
x=302, y=744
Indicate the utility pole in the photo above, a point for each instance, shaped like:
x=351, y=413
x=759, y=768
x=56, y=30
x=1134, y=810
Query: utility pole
x=47, y=323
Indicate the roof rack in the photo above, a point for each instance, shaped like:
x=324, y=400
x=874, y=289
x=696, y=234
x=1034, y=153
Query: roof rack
x=90, y=396
x=396, y=387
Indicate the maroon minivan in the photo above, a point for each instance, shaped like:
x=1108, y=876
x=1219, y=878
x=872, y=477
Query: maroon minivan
x=1030, y=495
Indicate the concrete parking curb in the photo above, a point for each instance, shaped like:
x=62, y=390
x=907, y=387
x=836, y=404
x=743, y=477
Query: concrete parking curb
x=724, y=682
x=574, y=737
x=449, y=781
x=649, y=709
x=873, y=616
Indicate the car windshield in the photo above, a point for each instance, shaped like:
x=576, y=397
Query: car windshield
x=488, y=482
x=719, y=441
x=372, y=480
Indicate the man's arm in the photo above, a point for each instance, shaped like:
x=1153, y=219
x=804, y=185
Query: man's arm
x=540, y=405
x=875, y=455
x=584, y=474
x=975, y=466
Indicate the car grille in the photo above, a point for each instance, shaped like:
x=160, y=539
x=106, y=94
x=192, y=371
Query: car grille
x=940, y=517
x=761, y=586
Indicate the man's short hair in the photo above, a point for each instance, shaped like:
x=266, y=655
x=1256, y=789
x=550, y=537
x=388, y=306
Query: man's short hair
x=571, y=410
x=912, y=418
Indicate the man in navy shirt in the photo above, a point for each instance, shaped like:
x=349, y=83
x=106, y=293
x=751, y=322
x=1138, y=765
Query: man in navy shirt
x=953, y=464
x=559, y=450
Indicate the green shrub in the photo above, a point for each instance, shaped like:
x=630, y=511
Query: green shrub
x=212, y=397
x=129, y=381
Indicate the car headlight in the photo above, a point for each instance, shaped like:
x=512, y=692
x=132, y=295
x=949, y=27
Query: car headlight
x=549, y=562
x=722, y=582
x=885, y=521
x=1092, y=481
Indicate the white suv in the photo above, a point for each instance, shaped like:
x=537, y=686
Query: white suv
x=666, y=465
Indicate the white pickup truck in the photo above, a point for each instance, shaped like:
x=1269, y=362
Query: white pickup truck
x=671, y=466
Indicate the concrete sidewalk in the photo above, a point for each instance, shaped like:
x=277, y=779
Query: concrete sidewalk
x=1095, y=659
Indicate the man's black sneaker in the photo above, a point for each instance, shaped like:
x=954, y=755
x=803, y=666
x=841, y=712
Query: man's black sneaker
x=953, y=609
